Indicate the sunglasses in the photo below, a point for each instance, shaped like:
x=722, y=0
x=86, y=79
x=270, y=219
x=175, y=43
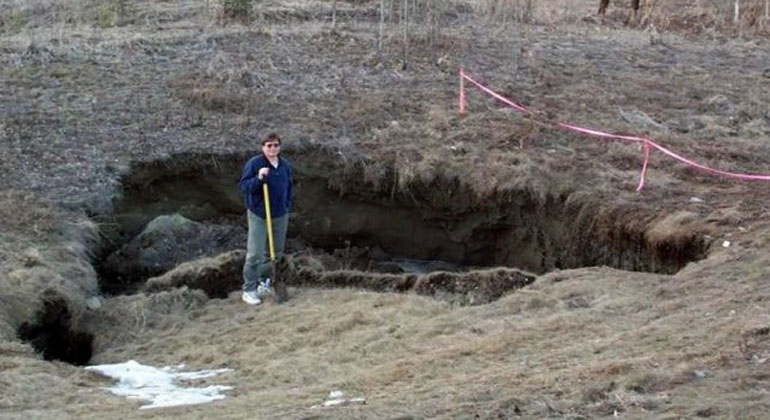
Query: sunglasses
x=272, y=145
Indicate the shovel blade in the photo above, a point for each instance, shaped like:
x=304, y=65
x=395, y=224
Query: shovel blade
x=281, y=294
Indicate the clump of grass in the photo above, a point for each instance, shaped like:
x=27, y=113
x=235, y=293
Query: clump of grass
x=28, y=214
x=113, y=13
x=237, y=9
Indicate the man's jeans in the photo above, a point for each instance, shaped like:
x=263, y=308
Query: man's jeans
x=257, y=265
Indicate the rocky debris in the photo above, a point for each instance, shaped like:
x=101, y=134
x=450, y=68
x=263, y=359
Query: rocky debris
x=464, y=288
x=473, y=287
x=94, y=302
x=220, y=275
x=167, y=241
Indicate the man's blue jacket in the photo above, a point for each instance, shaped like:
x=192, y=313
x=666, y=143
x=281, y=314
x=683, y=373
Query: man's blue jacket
x=279, y=184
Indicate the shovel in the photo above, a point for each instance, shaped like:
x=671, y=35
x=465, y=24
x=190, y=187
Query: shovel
x=281, y=295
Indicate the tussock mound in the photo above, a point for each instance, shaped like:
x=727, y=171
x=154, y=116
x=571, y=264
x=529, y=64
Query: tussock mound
x=216, y=276
x=122, y=318
x=468, y=288
x=220, y=275
x=167, y=241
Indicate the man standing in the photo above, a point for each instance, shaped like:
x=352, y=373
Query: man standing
x=274, y=170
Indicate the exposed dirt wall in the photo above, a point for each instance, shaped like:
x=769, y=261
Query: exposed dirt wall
x=342, y=203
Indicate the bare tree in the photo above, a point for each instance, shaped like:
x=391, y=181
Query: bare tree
x=527, y=11
x=405, y=21
x=433, y=16
x=334, y=15
x=382, y=25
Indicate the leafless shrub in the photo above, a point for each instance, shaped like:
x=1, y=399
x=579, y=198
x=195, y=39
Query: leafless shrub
x=413, y=20
x=113, y=13
x=738, y=13
x=756, y=14
x=28, y=214
x=508, y=10
x=239, y=10
x=15, y=16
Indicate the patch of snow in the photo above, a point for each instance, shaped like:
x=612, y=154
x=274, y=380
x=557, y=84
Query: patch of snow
x=159, y=386
x=337, y=398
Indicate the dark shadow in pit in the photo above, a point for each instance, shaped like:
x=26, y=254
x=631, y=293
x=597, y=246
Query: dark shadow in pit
x=339, y=204
x=53, y=336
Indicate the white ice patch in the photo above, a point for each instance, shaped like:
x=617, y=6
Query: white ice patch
x=137, y=381
x=337, y=398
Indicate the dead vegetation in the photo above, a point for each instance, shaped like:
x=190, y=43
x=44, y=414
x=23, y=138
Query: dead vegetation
x=87, y=88
x=219, y=276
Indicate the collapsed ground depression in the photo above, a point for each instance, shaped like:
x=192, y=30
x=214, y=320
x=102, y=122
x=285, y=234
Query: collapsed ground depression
x=356, y=224
x=359, y=207
x=437, y=259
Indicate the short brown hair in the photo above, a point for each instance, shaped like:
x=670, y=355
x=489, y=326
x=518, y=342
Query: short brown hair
x=271, y=138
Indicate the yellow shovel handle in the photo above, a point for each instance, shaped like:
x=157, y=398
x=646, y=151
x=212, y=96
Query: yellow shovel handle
x=269, y=221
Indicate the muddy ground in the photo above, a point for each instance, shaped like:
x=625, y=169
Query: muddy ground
x=607, y=302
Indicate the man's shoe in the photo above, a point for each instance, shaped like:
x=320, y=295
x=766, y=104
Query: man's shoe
x=251, y=298
x=264, y=287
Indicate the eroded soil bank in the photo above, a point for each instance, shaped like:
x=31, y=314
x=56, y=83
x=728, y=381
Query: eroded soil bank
x=344, y=204
x=353, y=220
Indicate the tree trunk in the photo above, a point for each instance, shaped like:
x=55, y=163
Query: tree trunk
x=767, y=10
x=382, y=24
x=603, y=7
x=528, y=12
x=334, y=15
x=433, y=18
x=405, y=18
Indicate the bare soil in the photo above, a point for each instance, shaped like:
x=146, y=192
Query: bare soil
x=91, y=96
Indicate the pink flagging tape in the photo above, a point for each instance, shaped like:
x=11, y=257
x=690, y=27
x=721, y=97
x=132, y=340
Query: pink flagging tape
x=494, y=94
x=644, y=167
x=650, y=143
x=596, y=133
x=462, y=92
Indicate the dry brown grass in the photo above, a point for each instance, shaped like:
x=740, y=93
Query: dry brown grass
x=582, y=342
x=29, y=215
x=92, y=93
x=684, y=16
x=44, y=255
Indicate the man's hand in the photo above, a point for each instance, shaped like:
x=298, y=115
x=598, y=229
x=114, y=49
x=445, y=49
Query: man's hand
x=262, y=173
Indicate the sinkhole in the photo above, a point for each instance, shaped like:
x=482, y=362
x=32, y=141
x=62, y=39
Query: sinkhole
x=358, y=211
x=354, y=224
